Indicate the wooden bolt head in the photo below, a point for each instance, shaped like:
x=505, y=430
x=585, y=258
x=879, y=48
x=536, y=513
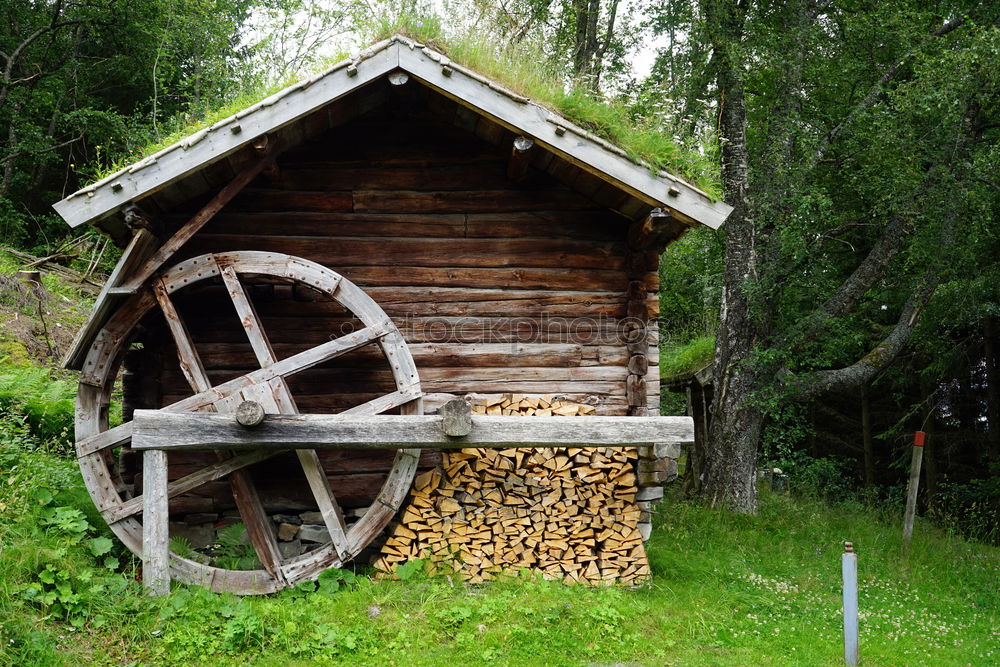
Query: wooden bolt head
x=249, y=414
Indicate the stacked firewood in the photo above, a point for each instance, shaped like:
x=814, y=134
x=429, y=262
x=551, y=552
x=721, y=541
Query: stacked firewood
x=569, y=513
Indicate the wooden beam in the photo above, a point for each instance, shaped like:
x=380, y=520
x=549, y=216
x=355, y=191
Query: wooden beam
x=142, y=245
x=520, y=157
x=187, y=354
x=280, y=397
x=155, y=523
x=201, y=218
x=158, y=171
x=155, y=429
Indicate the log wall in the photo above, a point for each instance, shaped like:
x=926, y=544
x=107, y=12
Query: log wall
x=497, y=286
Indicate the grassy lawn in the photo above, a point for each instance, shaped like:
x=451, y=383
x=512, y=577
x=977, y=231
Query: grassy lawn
x=727, y=590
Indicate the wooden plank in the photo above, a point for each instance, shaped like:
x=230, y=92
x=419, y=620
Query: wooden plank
x=341, y=378
x=260, y=528
x=441, y=355
x=574, y=145
x=176, y=431
x=141, y=246
x=591, y=225
x=190, y=362
x=306, y=329
x=155, y=523
x=466, y=252
x=248, y=317
x=214, y=143
x=189, y=482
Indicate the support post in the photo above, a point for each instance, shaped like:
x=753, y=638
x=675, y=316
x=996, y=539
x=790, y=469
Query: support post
x=911, y=490
x=155, y=523
x=849, y=569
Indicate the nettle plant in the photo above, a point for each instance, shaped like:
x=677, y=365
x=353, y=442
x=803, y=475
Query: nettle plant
x=61, y=587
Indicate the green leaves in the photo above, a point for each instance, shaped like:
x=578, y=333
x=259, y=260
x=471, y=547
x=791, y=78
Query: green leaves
x=100, y=546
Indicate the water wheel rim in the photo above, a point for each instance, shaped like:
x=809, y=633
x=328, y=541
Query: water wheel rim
x=95, y=441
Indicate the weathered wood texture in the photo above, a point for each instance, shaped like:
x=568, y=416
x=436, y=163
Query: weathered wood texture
x=156, y=429
x=497, y=285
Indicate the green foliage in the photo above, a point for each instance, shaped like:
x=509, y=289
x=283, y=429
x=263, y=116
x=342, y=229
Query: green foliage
x=971, y=509
x=233, y=551
x=825, y=478
x=47, y=403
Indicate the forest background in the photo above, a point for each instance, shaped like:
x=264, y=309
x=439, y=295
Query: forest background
x=852, y=298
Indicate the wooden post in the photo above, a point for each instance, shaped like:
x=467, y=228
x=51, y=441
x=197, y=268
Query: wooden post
x=155, y=523
x=520, y=158
x=849, y=570
x=911, y=490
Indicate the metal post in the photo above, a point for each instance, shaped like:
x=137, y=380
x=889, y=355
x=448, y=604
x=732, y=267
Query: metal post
x=849, y=569
x=911, y=489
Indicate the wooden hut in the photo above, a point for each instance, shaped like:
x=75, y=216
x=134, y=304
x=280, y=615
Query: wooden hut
x=503, y=254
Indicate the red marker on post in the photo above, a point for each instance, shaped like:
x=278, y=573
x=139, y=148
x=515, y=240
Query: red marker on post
x=912, y=488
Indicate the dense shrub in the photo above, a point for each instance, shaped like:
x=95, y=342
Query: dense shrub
x=971, y=509
x=46, y=403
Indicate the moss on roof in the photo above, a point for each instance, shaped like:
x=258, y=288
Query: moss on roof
x=521, y=68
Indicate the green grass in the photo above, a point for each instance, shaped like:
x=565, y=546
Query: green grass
x=727, y=590
x=677, y=360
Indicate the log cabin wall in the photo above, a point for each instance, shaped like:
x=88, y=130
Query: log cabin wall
x=497, y=284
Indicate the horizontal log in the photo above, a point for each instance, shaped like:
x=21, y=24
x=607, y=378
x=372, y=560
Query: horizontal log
x=434, y=355
x=597, y=225
x=335, y=251
x=155, y=429
x=608, y=404
x=317, y=378
x=412, y=201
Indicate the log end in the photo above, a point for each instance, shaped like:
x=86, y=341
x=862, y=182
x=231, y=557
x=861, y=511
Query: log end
x=249, y=414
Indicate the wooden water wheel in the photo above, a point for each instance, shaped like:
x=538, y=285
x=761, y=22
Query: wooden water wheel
x=266, y=386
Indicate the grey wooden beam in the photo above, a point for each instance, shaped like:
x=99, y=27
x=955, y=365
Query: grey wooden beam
x=156, y=429
x=155, y=523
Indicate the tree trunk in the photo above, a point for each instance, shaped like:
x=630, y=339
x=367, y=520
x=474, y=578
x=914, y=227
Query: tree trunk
x=866, y=436
x=931, y=469
x=990, y=336
x=729, y=477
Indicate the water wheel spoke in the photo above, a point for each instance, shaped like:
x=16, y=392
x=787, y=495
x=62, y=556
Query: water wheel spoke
x=187, y=354
x=255, y=519
x=190, y=482
x=275, y=397
x=248, y=316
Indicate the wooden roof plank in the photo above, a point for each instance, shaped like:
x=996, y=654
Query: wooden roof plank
x=473, y=91
x=155, y=172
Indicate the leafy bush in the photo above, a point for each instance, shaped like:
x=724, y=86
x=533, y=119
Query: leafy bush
x=47, y=403
x=971, y=509
x=826, y=477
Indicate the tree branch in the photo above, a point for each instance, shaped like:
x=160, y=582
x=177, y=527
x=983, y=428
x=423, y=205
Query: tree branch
x=876, y=90
x=811, y=384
